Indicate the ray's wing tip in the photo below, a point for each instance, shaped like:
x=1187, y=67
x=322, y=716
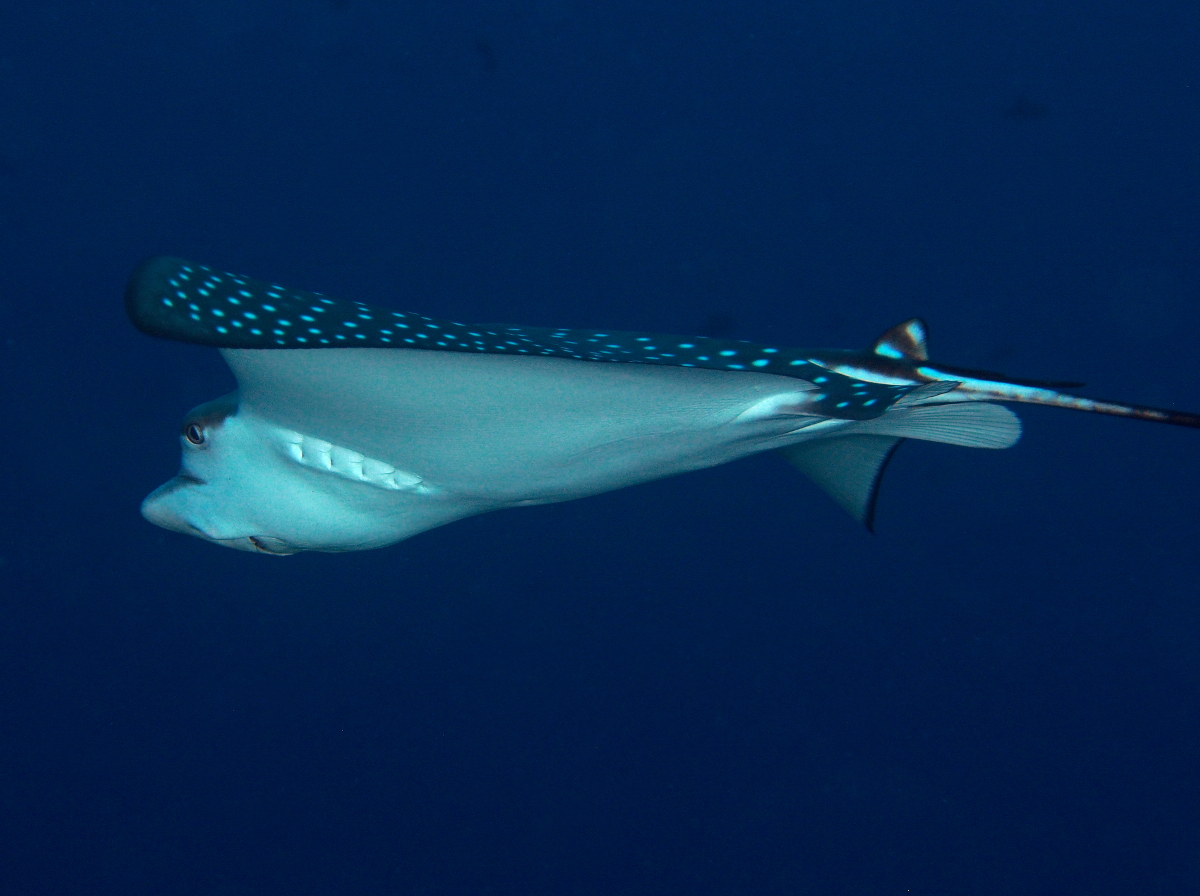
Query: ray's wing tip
x=143, y=296
x=151, y=275
x=146, y=280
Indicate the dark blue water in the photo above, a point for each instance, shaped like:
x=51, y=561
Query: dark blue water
x=714, y=684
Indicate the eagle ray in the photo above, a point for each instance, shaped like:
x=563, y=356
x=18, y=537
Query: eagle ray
x=355, y=427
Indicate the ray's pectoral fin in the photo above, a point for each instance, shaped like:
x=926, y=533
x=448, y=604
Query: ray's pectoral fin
x=850, y=467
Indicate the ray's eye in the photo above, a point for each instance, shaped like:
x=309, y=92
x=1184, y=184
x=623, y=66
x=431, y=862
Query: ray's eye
x=194, y=434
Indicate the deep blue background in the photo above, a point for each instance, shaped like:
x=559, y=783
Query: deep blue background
x=709, y=685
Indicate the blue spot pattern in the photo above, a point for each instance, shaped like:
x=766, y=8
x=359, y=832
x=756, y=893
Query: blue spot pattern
x=187, y=302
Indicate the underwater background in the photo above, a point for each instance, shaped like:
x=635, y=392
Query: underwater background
x=713, y=684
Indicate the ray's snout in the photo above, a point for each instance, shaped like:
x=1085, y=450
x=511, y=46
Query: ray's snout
x=172, y=503
x=163, y=506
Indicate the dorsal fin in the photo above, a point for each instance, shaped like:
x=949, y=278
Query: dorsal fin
x=906, y=340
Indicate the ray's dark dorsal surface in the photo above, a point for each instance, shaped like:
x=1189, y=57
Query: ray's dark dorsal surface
x=187, y=302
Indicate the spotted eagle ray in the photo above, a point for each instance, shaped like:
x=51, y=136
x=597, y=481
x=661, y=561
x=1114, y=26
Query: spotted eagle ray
x=354, y=427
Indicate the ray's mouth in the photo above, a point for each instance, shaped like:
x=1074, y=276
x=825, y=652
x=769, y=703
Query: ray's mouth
x=267, y=545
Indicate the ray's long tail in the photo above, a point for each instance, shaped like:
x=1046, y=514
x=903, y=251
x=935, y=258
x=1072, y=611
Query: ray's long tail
x=997, y=390
x=901, y=355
